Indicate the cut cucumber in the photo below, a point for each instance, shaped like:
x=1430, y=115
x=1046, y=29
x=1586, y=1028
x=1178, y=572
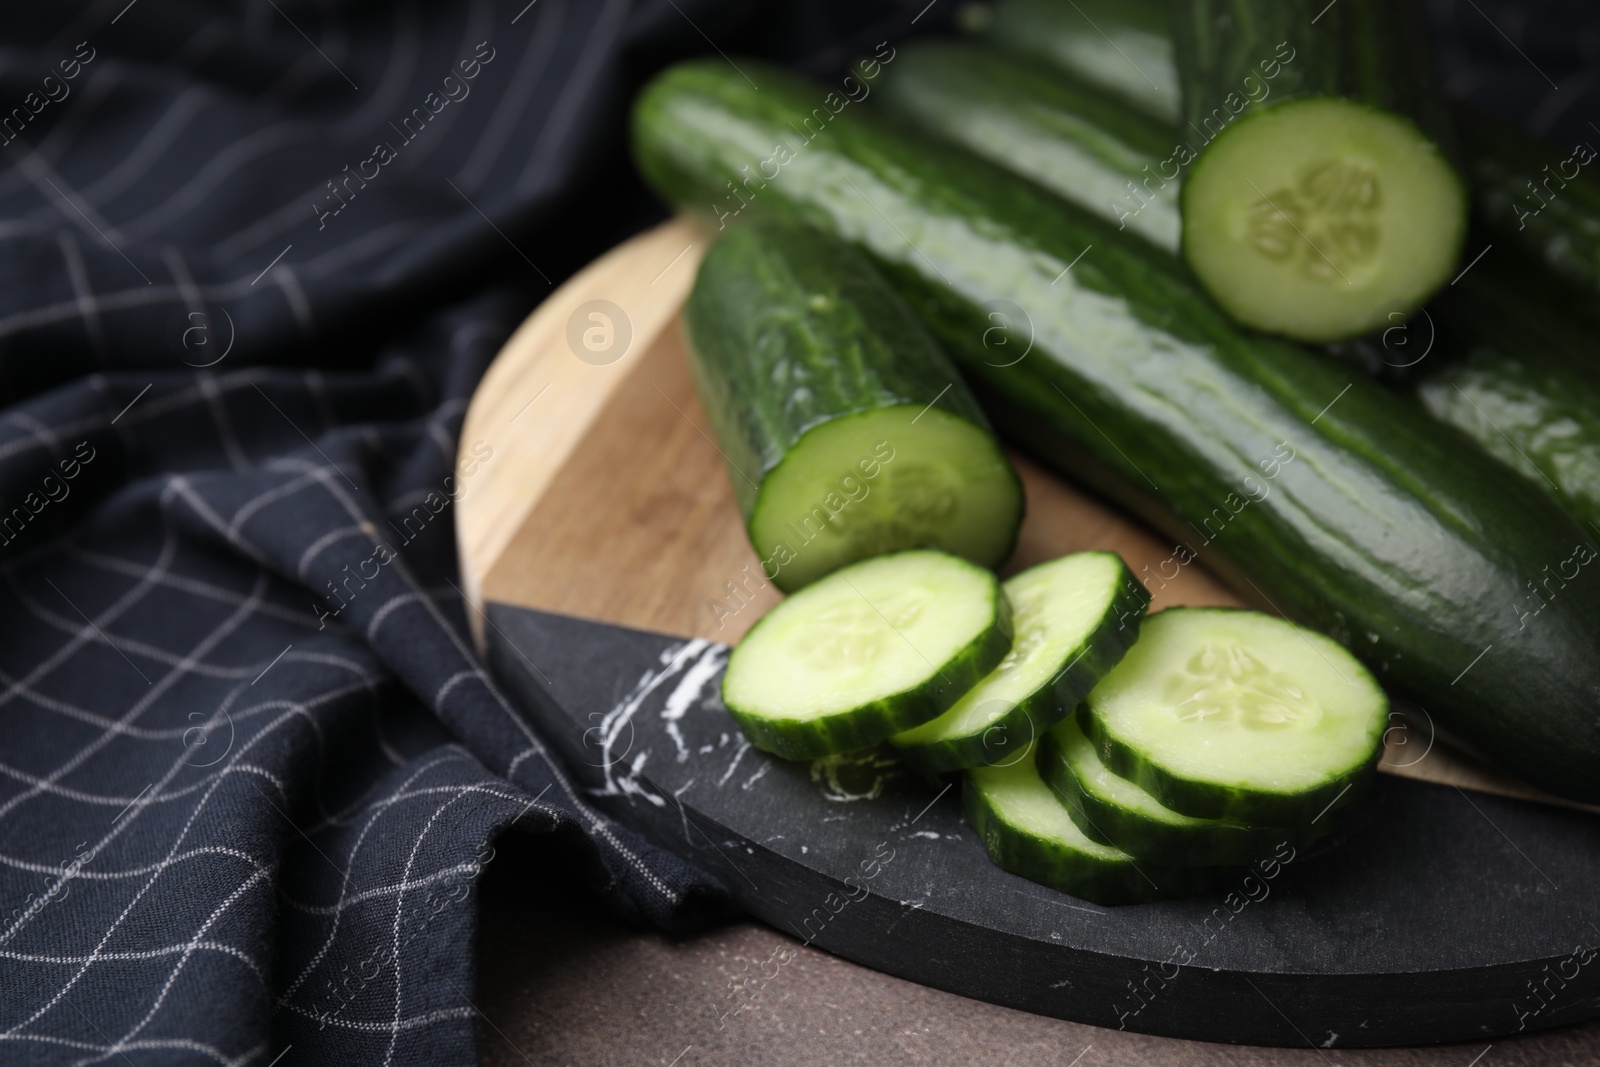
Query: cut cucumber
x=1072, y=620
x=1322, y=200
x=1027, y=831
x=872, y=649
x=1227, y=714
x=847, y=430
x=1115, y=811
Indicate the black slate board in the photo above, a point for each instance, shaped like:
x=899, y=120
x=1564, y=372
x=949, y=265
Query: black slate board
x=1435, y=915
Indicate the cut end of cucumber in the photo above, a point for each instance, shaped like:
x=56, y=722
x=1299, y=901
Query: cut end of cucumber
x=870, y=650
x=1322, y=219
x=1233, y=714
x=882, y=481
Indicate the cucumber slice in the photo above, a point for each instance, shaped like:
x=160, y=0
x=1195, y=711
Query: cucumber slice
x=1072, y=620
x=872, y=649
x=1115, y=811
x=1227, y=714
x=1318, y=218
x=1028, y=832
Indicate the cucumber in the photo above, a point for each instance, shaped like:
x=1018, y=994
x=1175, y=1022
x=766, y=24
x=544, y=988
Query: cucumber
x=1026, y=830
x=1538, y=206
x=1321, y=199
x=1527, y=393
x=1221, y=713
x=1323, y=495
x=870, y=650
x=1072, y=619
x=847, y=431
x=1123, y=48
x=1113, y=810
x=1063, y=136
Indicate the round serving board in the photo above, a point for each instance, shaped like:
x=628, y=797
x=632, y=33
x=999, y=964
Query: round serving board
x=607, y=571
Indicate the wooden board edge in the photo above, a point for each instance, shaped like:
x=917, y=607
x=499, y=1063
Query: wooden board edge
x=540, y=364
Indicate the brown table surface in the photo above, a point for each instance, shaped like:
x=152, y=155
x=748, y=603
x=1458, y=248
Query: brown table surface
x=562, y=983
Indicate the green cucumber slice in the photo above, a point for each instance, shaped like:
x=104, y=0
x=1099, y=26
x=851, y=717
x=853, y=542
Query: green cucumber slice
x=1319, y=218
x=1221, y=713
x=1115, y=811
x=1072, y=619
x=872, y=649
x=1026, y=830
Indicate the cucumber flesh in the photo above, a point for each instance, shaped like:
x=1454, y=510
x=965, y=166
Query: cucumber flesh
x=1227, y=714
x=1114, y=810
x=868, y=651
x=880, y=481
x=1026, y=830
x=1072, y=618
x=1318, y=218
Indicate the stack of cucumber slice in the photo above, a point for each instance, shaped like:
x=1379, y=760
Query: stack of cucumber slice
x=1223, y=737
x=1115, y=761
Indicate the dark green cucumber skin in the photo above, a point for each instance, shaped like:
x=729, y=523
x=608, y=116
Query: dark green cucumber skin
x=1371, y=52
x=1011, y=734
x=1041, y=860
x=1222, y=844
x=868, y=724
x=1140, y=30
x=1527, y=392
x=790, y=328
x=1550, y=230
x=1382, y=524
x=1004, y=110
